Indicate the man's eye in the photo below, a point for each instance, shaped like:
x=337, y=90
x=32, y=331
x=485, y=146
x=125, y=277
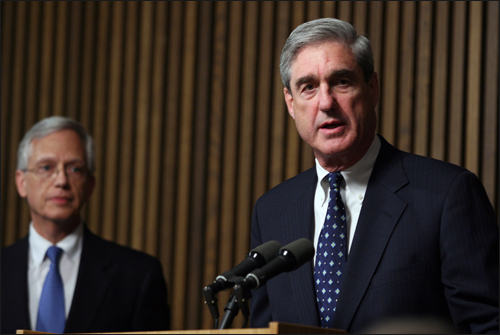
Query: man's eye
x=343, y=82
x=75, y=169
x=46, y=167
x=308, y=87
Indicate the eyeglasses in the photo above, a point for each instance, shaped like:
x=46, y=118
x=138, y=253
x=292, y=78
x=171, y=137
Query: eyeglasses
x=47, y=171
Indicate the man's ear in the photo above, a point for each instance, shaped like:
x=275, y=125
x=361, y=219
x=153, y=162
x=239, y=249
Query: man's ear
x=289, y=101
x=21, y=183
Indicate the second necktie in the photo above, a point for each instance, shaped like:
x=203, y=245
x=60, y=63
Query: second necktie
x=51, y=312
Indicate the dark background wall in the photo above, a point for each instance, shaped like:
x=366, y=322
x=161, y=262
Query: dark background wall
x=185, y=103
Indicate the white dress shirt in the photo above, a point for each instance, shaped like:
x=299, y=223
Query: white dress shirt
x=352, y=190
x=39, y=265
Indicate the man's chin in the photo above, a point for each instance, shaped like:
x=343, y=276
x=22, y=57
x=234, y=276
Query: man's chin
x=64, y=218
x=332, y=150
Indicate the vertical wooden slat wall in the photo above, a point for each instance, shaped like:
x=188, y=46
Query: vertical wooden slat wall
x=185, y=102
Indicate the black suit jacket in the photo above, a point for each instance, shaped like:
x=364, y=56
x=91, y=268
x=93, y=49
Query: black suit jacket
x=426, y=243
x=117, y=289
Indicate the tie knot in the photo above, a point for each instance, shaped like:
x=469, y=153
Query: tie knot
x=54, y=253
x=335, y=179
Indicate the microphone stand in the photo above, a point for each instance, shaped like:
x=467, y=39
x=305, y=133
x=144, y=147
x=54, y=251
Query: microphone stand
x=231, y=310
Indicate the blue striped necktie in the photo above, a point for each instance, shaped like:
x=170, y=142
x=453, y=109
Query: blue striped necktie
x=331, y=253
x=51, y=314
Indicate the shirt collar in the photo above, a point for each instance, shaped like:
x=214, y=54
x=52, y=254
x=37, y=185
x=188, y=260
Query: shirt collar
x=39, y=245
x=356, y=177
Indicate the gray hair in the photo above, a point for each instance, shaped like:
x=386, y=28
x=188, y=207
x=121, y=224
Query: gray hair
x=51, y=125
x=323, y=30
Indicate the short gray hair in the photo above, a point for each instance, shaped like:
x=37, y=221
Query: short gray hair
x=323, y=30
x=51, y=125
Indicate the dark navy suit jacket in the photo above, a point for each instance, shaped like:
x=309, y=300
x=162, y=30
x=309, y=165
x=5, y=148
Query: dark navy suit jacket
x=118, y=289
x=426, y=243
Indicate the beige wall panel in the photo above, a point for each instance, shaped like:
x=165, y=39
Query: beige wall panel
x=154, y=173
x=263, y=97
x=360, y=14
x=247, y=126
x=490, y=170
x=439, y=81
x=99, y=110
x=185, y=168
x=127, y=121
x=111, y=160
x=293, y=140
x=47, y=58
x=474, y=62
x=14, y=108
x=314, y=10
x=74, y=58
x=422, y=77
x=60, y=59
x=170, y=169
x=406, y=100
x=388, y=74
x=279, y=113
x=142, y=126
x=458, y=48
x=375, y=34
x=202, y=255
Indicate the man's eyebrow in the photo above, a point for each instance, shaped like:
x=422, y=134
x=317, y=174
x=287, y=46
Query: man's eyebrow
x=336, y=73
x=306, y=79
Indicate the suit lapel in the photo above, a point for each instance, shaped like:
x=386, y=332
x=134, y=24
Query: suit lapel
x=300, y=223
x=379, y=215
x=91, y=286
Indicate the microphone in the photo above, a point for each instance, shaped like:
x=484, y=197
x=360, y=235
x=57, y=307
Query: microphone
x=290, y=257
x=256, y=258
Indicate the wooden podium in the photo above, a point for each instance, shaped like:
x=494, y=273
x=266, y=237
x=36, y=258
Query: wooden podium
x=274, y=328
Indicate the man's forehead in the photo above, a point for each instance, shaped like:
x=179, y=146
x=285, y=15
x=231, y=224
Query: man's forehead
x=326, y=59
x=66, y=137
x=62, y=143
x=328, y=44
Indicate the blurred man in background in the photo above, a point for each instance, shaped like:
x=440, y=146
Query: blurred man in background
x=61, y=277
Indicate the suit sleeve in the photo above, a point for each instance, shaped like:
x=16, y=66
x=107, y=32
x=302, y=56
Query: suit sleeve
x=260, y=311
x=152, y=310
x=469, y=254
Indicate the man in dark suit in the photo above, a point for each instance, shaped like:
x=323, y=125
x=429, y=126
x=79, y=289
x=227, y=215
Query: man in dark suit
x=92, y=285
x=420, y=235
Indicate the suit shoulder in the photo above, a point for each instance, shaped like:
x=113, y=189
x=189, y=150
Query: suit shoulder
x=431, y=162
x=435, y=169
x=291, y=187
x=414, y=165
x=119, y=253
x=14, y=250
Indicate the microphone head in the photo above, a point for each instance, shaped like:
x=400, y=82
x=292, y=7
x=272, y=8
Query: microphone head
x=267, y=250
x=297, y=253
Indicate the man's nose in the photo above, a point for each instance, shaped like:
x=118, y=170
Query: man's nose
x=61, y=176
x=327, y=100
